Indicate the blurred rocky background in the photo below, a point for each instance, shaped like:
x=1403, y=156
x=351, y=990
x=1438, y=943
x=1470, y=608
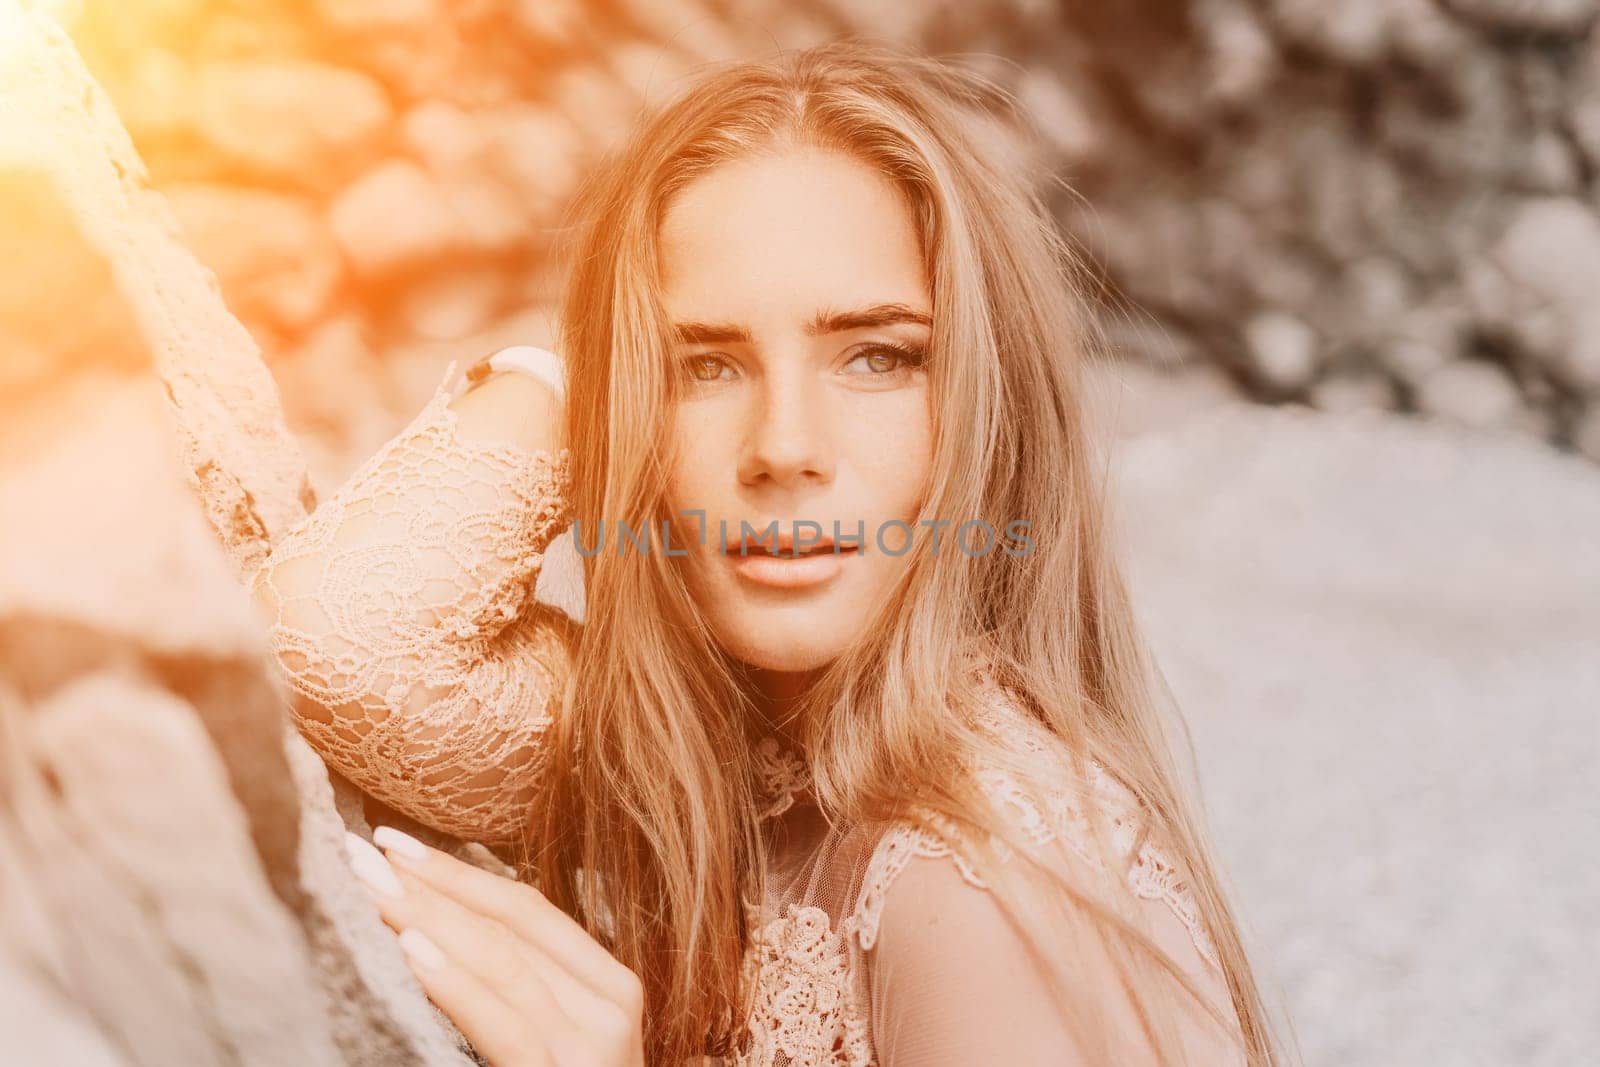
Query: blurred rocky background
x=1342, y=203
x=1345, y=250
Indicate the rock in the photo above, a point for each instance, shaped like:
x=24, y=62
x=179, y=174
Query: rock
x=168, y=864
x=1354, y=392
x=535, y=151
x=685, y=27
x=1549, y=16
x=301, y=121
x=240, y=31
x=1353, y=31
x=1227, y=234
x=376, y=16
x=554, y=23
x=441, y=135
x=1549, y=257
x=1531, y=420
x=454, y=304
x=58, y=123
x=1277, y=274
x=1423, y=34
x=1060, y=116
x=1586, y=432
x=44, y=1025
x=74, y=324
x=1471, y=392
x=1411, y=360
x=1551, y=165
x=1375, y=292
x=1424, y=337
x=1551, y=248
x=64, y=13
x=455, y=146
x=1583, y=108
x=334, y=399
x=1243, y=57
x=395, y=218
x=1282, y=351
x=1360, y=32
x=606, y=104
x=1489, y=294
x=159, y=844
x=645, y=69
x=111, y=474
x=270, y=251
x=885, y=19
x=506, y=170
x=157, y=98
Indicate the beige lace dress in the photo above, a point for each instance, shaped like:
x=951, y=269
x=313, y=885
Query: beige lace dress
x=402, y=612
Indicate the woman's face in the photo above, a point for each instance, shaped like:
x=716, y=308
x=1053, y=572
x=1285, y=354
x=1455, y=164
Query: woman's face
x=794, y=283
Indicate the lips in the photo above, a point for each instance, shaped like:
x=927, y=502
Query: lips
x=787, y=551
x=775, y=562
x=762, y=546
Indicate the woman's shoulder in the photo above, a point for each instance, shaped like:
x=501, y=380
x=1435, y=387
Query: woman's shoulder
x=1075, y=805
x=948, y=965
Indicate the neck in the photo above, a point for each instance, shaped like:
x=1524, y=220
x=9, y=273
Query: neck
x=778, y=698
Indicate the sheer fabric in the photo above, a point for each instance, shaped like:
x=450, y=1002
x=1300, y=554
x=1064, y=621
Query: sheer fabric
x=402, y=610
x=880, y=944
x=402, y=613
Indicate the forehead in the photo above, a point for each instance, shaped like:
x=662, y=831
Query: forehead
x=775, y=237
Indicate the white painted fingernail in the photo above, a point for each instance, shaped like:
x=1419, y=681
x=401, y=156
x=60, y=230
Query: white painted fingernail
x=420, y=949
x=371, y=867
x=403, y=843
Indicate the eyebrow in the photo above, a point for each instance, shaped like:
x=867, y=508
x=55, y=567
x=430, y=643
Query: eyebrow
x=822, y=323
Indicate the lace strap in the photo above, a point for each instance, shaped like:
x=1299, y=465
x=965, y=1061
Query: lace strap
x=1151, y=875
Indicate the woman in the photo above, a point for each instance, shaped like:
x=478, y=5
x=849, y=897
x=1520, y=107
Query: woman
x=905, y=801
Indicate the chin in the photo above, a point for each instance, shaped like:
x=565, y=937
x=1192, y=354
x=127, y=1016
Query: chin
x=782, y=648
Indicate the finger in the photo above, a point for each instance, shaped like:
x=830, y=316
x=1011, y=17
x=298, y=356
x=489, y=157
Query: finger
x=518, y=971
x=496, y=955
x=497, y=1030
x=520, y=907
x=512, y=965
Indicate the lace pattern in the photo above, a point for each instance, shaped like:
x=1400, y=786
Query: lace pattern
x=1150, y=873
x=807, y=1010
x=402, y=611
x=783, y=773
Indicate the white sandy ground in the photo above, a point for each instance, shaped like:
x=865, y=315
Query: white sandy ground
x=1385, y=636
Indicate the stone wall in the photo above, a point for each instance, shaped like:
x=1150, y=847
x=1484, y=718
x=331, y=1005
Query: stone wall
x=1344, y=203
x=1357, y=203
x=173, y=882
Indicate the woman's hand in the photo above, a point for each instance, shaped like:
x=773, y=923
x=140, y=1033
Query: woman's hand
x=519, y=977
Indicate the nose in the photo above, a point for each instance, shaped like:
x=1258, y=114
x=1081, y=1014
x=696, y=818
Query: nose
x=788, y=442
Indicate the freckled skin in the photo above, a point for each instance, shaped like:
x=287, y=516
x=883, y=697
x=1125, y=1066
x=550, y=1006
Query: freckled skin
x=791, y=426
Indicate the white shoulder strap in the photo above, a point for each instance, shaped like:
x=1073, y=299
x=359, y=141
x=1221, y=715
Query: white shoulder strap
x=524, y=359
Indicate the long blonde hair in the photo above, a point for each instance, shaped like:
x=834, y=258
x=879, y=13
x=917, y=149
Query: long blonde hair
x=645, y=828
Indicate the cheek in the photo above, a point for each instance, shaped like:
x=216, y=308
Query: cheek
x=693, y=463
x=894, y=452
x=698, y=479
